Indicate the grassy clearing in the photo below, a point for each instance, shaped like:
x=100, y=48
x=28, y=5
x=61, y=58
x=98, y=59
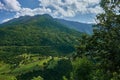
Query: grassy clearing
x=29, y=67
x=6, y=77
x=28, y=64
x=4, y=68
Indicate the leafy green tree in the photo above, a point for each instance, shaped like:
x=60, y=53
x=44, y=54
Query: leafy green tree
x=106, y=40
x=103, y=47
x=61, y=70
x=82, y=69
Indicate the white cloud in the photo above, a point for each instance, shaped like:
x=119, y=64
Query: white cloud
x=1, y=6
x=96, y=10
x=32, y=12
x=69, y=8
x=92, y=1
x=56, y=8
x=6, y=20
x=10, y=5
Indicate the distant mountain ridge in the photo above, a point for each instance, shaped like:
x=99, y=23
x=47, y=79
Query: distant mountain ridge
x=81, y=27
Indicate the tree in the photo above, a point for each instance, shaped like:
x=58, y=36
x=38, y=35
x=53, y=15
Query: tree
x=103, y=46
x=82, y=68
x=106, y=36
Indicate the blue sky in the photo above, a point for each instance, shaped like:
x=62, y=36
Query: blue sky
x=75, y=10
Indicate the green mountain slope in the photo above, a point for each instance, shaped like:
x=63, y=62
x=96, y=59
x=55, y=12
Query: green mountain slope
x=38, y=34
x=81, y=27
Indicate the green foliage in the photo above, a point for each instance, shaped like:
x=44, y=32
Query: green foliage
x=116, y=76
x=62, y=68
x=6, y=77
x=98, y=74
x=103, y=47
x=37, y=78
x=64, y=78
x=9, y=57
x=82, y=68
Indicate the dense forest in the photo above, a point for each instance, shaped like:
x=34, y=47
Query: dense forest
x=41, y=48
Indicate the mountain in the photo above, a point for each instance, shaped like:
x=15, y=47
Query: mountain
x=40, y=34
x=27, y=44
x=81, y=27
x=24, y=19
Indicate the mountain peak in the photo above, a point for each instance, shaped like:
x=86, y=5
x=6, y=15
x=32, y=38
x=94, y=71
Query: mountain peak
x=45, y=18
x=27, y=19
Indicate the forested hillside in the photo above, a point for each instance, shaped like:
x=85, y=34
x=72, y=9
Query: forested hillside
x=30, y=44
x=38, y=34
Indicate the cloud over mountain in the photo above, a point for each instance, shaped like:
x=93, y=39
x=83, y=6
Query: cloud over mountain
x=32, y=12
x=56, y=8
x=69, y=8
